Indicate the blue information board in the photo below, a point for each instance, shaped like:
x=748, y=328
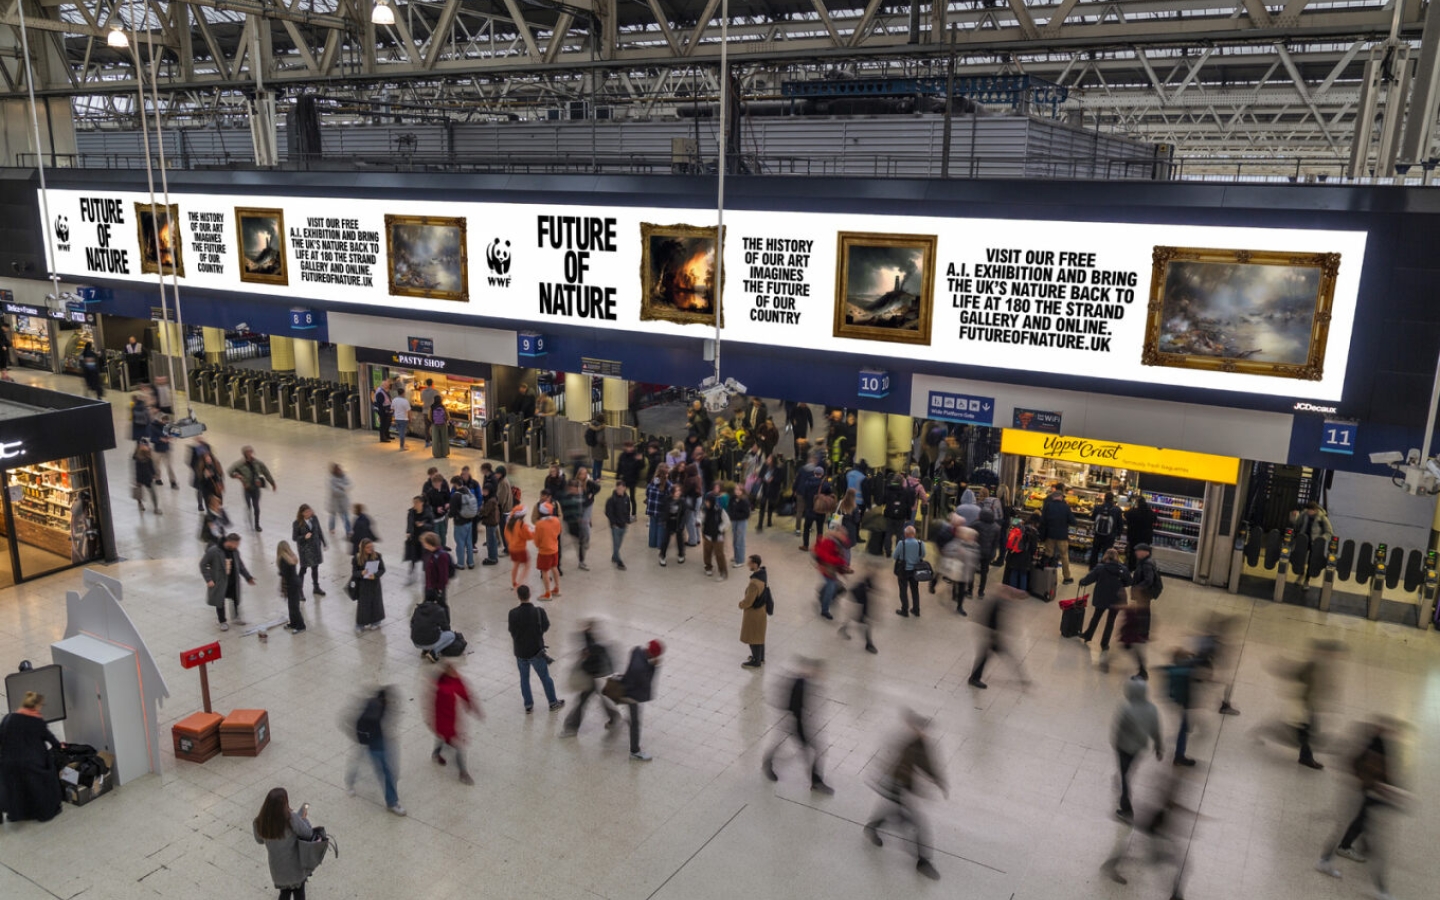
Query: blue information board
x=948, y=407
x=1338, y=437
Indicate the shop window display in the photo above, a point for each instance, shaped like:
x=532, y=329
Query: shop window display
x=52, y=507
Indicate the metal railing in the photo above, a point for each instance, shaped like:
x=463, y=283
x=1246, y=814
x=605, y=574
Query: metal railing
x=841, y=164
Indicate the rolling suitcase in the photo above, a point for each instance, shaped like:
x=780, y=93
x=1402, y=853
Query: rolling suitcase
x=1044, y=578
x=1072, y=616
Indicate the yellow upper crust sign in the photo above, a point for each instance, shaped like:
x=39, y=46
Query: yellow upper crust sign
x=1136, y=457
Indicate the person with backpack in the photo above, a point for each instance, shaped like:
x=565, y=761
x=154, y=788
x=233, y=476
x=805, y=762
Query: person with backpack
x=588, y=489
x=596, y=663
x=1110, y=579
x=1020, y=544
x=1056, y=519
x=758, y=606
x=139, y=416
x=490, y=519
x=832, y=559
x=430, y=630
x=464, y=510
x=370, y=728
x=713, y=525
x=806, y=483
x=1109, y=525
x=898, y=503
x=528, y=624
x=439, y=421
x=909, y=552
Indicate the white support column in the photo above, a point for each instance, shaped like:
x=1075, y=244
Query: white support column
x=307, y=358
x=615, y=399
x=871, y=437
x=899, y=438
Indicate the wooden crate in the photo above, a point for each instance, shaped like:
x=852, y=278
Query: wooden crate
x=245, y=732
x=197, y=737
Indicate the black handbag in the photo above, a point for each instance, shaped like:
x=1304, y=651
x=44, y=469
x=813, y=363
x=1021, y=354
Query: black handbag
x=924, y=571
x=352, y=589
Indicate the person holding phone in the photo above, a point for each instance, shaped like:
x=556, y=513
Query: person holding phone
x=281, y=829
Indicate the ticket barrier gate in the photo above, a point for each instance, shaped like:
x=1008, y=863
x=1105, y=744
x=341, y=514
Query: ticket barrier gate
x=1327, y=578
x=239, y=385
x=117, y=374
x=320, y=397
x=534, y=442
x=286, y=397
x=1428, y=588
x=496, y=443
x=345, y=408
x=1377, y=585
x=196, y=382
x=304, y=401
x=220, y=386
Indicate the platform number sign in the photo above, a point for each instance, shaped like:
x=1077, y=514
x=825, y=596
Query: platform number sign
x=302, y=319
x=1338, y=437
x=530, y=344
x=874, y=384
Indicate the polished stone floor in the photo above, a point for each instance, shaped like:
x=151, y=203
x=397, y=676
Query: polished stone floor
x=1030, y=772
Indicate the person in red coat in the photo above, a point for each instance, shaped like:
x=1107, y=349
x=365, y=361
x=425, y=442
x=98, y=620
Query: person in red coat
x=832, y=558
x=450, y=693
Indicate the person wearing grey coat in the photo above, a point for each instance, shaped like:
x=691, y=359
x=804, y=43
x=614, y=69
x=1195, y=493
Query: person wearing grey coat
x=286, y=870
x=222, y=568
x=1137, y=723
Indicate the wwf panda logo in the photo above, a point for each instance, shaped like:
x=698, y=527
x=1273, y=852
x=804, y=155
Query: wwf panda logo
x=62, y=229
x=497, y=257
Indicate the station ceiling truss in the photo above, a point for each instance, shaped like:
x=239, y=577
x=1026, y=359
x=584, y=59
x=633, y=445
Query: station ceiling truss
x=1207, y=77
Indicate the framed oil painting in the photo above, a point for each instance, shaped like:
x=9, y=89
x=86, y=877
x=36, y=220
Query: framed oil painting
x=427, y=257
x=1258, y=312
x=884, y=287
x=164, y=222
x=260, y=236
x=678, y=268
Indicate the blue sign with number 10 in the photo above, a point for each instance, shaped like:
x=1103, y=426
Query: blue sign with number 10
x=1338, y=437
x=874, y=383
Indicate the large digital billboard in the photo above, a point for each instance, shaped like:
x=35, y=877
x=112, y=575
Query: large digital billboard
x=1252, y=310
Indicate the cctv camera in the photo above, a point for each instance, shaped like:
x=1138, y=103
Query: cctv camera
x=1393, y=457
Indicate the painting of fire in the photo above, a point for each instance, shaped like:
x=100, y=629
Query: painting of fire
x=678, y=268
x=162, y=222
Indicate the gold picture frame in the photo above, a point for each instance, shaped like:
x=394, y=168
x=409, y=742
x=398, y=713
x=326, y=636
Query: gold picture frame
x=1257, y=312
x=260, y=244
x=444, y=273
x=871, y=307
x=171, y=253
x=677, y=274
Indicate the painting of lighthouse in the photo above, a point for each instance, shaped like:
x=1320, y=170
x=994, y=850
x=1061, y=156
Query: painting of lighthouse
x=260, y=235
x=884, y=287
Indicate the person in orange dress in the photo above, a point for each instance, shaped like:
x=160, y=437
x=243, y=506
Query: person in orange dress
x=517, y=540
x=547, y=552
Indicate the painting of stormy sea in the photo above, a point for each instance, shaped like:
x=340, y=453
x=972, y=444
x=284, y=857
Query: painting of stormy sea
x=1261, y=313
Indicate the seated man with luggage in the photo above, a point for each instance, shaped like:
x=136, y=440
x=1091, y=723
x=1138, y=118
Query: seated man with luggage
x=430, y=631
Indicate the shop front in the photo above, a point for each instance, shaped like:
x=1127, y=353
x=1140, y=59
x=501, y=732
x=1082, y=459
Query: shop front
x=1179, y=485
x=464, y=388
x=56, y=499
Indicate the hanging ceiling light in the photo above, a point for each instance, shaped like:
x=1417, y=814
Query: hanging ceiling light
x=382, y=14
x=117, y=37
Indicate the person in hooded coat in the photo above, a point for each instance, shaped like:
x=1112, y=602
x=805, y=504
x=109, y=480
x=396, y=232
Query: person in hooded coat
x=758, y=606
x=1137, y=723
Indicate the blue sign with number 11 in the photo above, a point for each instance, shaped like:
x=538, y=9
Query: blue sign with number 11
x=1338, y=437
